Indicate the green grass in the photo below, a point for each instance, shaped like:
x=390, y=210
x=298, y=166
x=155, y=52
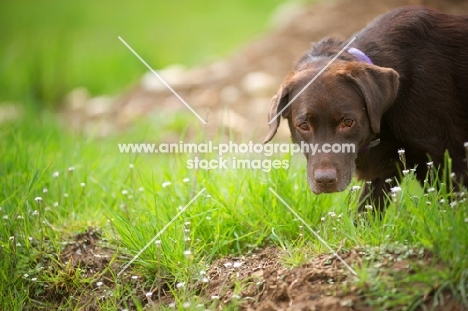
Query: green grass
x=49, y=47
x=235, y=214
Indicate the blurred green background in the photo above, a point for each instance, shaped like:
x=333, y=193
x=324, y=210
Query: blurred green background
x=49, y=47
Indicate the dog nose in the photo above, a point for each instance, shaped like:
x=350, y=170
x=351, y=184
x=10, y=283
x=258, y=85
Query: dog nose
x=325, y=176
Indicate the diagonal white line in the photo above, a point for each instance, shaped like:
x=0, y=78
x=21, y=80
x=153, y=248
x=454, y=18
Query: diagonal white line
x=313, y=79
x=162, y=80
x=315, y=233
x=160, y=232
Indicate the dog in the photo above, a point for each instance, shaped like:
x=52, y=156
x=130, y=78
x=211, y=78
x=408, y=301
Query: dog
x=401, y=84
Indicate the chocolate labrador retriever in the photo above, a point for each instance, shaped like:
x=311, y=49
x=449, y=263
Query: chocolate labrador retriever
x=402, y=84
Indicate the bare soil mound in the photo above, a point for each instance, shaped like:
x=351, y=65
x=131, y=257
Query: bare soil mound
x=258, y=281
x=261, y=282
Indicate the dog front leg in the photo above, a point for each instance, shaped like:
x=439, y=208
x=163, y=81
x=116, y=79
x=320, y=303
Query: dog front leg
x=375, y=194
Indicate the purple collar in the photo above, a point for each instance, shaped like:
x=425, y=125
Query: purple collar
x=360, y=55
x=370, y=145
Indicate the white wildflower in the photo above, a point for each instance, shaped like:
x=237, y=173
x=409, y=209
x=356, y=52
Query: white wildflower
x=395, y=189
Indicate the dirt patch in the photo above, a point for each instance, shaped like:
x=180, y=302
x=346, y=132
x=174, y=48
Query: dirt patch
x=81, y=275
x=86, y=251
x=260, y=282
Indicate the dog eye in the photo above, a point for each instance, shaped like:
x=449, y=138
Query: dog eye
x=304, y=126
x=348, y=122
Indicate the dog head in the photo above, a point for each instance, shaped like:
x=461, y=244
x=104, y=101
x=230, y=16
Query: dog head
x=340, y=109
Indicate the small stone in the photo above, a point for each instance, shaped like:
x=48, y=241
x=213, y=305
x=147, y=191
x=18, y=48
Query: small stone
x=237, y=264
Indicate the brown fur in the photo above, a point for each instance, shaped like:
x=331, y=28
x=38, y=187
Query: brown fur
x=414, y=96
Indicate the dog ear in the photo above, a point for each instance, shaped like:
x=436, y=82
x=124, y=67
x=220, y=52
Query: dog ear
x=379, y=87
x=277, y=104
